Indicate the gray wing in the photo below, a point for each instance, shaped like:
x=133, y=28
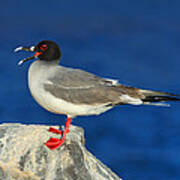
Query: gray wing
x=80, y=87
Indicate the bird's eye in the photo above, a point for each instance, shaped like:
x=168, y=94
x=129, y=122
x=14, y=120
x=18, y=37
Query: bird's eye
x=44, y=47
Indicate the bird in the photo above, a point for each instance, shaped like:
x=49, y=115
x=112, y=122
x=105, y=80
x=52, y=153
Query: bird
x=75, y=92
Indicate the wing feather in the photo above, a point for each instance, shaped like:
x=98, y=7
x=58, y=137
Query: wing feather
x=80, y=87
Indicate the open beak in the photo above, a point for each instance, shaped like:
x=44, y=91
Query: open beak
x=31, y=49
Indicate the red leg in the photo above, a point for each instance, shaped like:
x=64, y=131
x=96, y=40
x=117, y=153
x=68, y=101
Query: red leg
x=67, y=124
x=54, y=143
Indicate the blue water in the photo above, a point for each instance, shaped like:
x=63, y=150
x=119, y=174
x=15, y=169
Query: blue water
x=135, y=41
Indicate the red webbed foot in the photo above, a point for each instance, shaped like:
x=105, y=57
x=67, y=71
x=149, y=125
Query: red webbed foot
x=54, y=143
x=55, y=131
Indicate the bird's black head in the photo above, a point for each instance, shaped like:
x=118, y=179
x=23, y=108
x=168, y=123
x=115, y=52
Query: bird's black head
x=45, y=50
x=48, y=50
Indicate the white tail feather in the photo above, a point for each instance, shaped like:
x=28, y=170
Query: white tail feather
x=157, y=104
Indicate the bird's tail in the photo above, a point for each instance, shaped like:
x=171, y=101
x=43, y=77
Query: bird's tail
x=158, y=98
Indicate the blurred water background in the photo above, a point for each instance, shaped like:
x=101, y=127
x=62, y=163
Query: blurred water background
x=134, y=41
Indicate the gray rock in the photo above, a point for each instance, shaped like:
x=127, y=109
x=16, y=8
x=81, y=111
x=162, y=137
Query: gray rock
x=24, y=156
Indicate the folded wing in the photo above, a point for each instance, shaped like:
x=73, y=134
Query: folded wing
x=80, y=87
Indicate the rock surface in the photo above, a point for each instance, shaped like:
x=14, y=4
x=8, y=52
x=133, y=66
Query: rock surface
x=23, y=156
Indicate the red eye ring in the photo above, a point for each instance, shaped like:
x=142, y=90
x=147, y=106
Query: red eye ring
x=44, y=47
